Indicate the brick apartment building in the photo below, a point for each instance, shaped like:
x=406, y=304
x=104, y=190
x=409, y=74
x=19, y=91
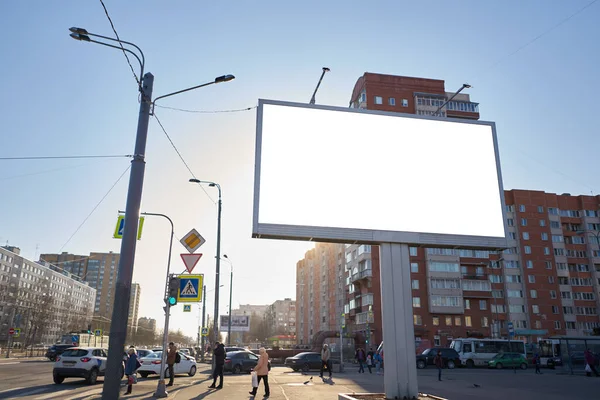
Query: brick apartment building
x=547, y=282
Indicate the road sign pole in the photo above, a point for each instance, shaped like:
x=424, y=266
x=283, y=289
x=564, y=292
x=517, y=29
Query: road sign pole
x=203, y=314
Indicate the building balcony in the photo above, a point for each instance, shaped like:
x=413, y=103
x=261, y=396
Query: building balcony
x=475, y=277
x=367, y=273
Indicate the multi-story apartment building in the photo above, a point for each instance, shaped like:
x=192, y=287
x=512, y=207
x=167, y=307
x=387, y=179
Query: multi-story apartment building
x=546, y=283
x=134, y=306
x=41, y=299
x=320, y=291
x=282, y=317
x=251, y=309
x=100, y=271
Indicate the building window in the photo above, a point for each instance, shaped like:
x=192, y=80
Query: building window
x=553, y=294
x=510, y=222
x=542, y=222
x=467, y=304
x=531, y=278
x=416, y=302
x=523, y=221
x=529, y=264
x=533, y=293
x=448, y=321
x=546, y=251
x=415, y=283
x=482, y=305
x=484, y=322
x=414, y=267
x=535, y=309
x=550, y=279
x=468, y=320
x=436, y=340
x=404, y=102
x=378, y=100
x=457, y=321
x=436, y=321
x=392, y=101
x=525, y=235
x=417, y=319
x=544, y=236
x=412, y=251
x=521, y=208
x=512, y=235
x=556, y=324
x=527, y=249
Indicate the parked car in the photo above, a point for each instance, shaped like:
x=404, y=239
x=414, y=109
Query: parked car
x=240, y=361
x=450, y=358
x=508, y=360
x=234, y=348
x=56, y=350
x=151, y=365
x=80, y=362
x=304, y=361
x=185, y=351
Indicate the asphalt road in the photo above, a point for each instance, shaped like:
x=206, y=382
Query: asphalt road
x=32, y=380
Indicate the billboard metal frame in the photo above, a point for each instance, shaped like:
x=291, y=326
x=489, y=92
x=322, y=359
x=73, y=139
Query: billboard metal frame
x=349, y=235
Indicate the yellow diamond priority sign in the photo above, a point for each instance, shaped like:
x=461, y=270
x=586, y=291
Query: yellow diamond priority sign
x=192, y=241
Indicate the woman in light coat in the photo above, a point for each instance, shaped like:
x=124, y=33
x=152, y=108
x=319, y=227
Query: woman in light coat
x=130, y=367
x=262, y=371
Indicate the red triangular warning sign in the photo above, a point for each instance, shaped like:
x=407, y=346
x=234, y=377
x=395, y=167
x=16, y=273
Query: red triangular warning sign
x=190, y=261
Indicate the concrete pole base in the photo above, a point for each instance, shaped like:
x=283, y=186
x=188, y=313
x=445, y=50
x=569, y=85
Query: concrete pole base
x=161, y=390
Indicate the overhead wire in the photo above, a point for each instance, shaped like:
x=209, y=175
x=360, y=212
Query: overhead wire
x=206, y=111
x=65, y=157
x=95, y=207
x=121, y=44
x=180, y=156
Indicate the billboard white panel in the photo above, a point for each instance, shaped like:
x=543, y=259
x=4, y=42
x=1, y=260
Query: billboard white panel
x=337, y=174
x=239, y=323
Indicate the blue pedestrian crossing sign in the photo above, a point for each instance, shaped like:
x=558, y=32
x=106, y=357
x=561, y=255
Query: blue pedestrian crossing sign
x=204, y=331
x=121, y=227
x=187, y=308
x=98, y=332
x=190, y=288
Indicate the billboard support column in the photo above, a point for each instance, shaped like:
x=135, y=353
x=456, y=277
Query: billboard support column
x=400, y=378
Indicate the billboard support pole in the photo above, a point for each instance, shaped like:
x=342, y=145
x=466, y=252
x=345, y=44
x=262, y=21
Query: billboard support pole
x=400, y=378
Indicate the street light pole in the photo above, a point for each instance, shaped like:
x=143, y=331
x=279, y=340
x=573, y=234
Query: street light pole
x=464, y=86
x=203, y=322
x=218, y=258
x=230, y=299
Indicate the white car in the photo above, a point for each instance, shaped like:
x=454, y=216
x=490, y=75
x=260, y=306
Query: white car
x=80, y=362
x=151, y=365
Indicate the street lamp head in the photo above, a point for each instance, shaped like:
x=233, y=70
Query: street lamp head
x=225, y=255
x=80, y=31
x=224, y=78
x=325, y=69
x=466, y=86
x=212, y=184
x=194, y=180
x=80, y=37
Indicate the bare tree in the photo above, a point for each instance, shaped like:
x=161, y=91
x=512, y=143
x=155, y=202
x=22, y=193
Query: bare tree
x=40, y=314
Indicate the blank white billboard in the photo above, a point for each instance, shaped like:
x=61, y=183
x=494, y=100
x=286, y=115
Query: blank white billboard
x=337, y=174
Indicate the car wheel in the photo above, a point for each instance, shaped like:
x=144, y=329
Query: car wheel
x=92, y=377
x=450, y=364
x=306, y=367
x=58, y=379
x=470, y=364
x=295, y=369
x=421, y=364
x=523, y=366
x=236, y=369
x=192, y=371
x=499, y=366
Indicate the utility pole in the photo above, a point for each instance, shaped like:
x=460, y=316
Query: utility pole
x=118, y=331
x=343, y=321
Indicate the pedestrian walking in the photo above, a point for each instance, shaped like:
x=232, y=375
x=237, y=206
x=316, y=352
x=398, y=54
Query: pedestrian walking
x=590, y=362
x=369, y=363
x=537, y=361
x=360, y=357
x=171, y=360
x=262, y=372
x=325, y=360
x=219, y=356
x=378, y=361
x=437, y=360
x=131, y=366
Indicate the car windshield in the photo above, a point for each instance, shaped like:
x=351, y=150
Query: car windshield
x=300, y=355
x=497, y=356
x=425, y=352
x=75, y=353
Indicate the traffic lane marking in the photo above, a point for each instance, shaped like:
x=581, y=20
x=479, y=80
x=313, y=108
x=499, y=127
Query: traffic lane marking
x=10, y=390
x=10, y=363
x=51, y=395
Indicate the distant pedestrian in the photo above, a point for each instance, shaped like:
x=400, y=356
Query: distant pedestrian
x=131, y=366
x=325, y=360
x=537, y=361
x=437, y=360
x=262, y=372
x=360, y=357
x=219, y=356
x=590, y=363
x=171, y=360
x=378, y=361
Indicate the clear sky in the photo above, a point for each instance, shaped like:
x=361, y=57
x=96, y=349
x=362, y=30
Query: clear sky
x=62, y=97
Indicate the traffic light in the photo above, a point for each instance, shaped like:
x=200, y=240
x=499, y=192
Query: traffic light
x=89, y=328
x=173, y=291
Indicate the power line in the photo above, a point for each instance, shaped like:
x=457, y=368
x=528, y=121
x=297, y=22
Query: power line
x=64, y=157
x=95, y=207
x=180, y=156
x=120, y=44
x=207, y=111
x=530, y=42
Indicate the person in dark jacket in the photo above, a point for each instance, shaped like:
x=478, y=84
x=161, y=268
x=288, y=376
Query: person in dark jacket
x=437, y=360
x=171, y=359
x=130, y=367
x=360, y=357
x=219, y=355
x=537, y=361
